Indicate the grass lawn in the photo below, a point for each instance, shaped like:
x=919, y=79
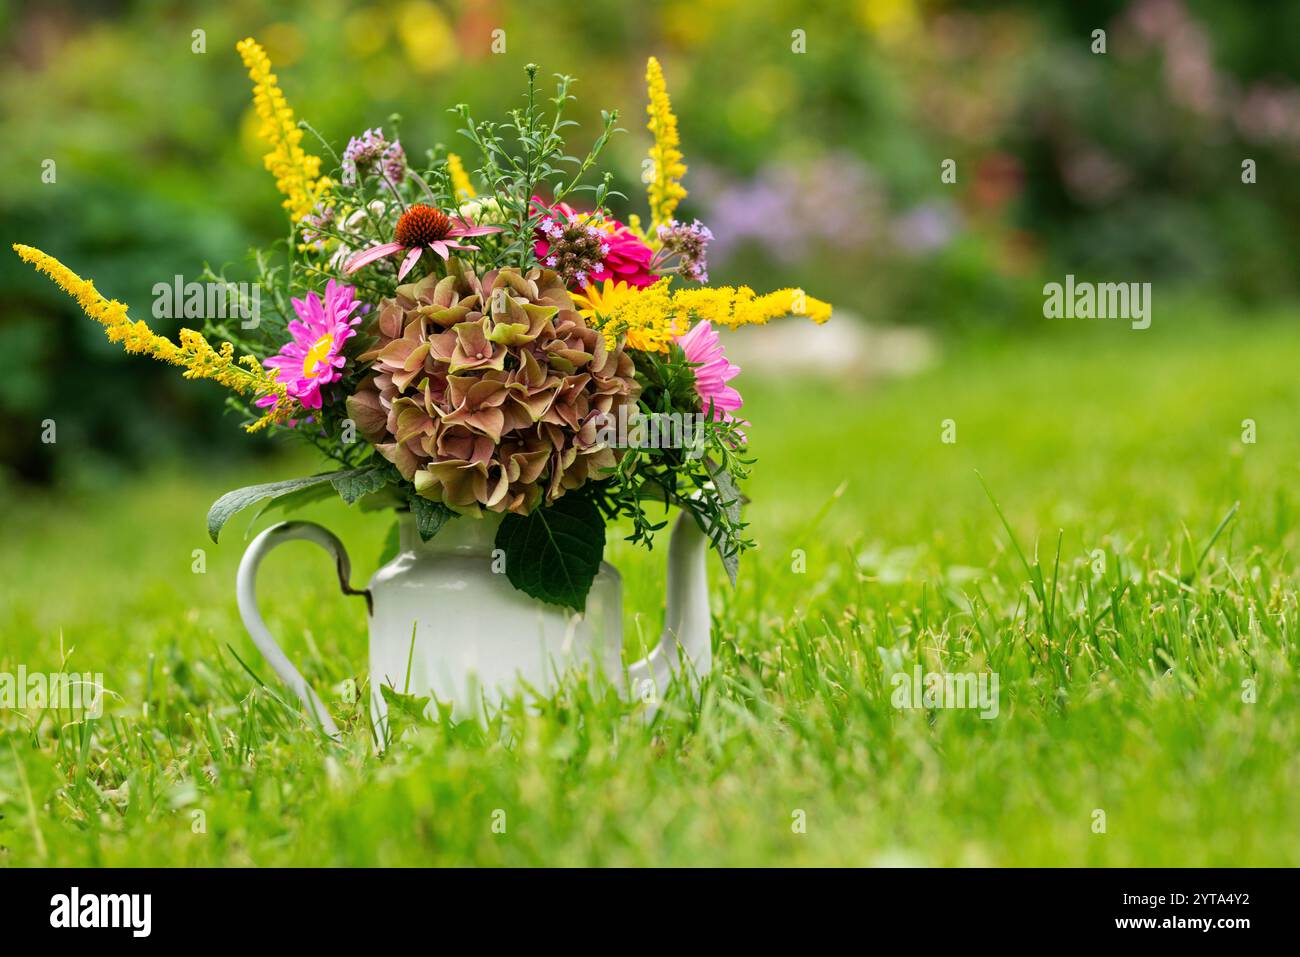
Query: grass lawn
x=1147, y=682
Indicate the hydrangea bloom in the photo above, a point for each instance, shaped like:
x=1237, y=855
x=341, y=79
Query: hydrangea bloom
x=487, y=391
x=314, y=356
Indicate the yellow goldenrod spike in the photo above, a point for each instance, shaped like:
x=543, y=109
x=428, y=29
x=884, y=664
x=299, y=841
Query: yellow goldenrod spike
x=644, y=316
x=297, y=173
x=725, y=306
x=653, y=316
x=195, y=354
x=461, y=187
x=665, y=190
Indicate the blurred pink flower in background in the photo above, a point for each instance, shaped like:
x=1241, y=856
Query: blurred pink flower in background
x=789, y=209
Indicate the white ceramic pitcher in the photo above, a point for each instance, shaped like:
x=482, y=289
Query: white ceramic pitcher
x=444, y=624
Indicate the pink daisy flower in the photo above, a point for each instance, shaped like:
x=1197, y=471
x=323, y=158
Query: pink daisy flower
x=314, y=356
x=419, y=228
x=712, y=371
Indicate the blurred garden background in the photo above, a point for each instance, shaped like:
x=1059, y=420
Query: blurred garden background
x=819, y=168
x=815, y=136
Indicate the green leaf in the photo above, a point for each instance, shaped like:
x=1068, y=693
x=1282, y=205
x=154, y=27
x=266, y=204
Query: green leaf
x=387, y=498
x=357, y=483
x=554, y=553
x=729, y=500
x=289, y=503
x=430, y=516
x=232, y=503
x=404, y=710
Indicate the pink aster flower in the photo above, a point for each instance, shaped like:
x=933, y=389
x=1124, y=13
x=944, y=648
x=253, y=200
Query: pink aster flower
x=595, y=246
x=313, y=357
x=712, y=371
x=419, y=228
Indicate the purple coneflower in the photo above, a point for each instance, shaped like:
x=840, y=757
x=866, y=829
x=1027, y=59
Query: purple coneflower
x=419, y=228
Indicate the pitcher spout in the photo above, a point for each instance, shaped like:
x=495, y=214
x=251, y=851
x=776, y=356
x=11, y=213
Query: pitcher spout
x=685, y=649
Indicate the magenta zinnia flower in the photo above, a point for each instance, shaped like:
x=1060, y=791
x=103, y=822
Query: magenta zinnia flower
x=712, y=371
x=314, y=356
x=419, y=228
x=588, y=249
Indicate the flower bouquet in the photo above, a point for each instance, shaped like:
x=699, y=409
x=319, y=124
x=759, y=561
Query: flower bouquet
x=461, y=343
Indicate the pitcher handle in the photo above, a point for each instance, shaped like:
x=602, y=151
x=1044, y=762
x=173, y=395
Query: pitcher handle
x=246, y=592
x=686, y=616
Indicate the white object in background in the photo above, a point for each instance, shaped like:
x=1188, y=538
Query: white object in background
x=445, y=624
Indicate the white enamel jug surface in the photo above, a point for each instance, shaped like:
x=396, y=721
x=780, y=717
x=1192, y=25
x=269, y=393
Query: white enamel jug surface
x=444, y=624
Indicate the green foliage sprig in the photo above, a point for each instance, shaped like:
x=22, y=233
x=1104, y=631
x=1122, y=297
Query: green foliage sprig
x=526, y=152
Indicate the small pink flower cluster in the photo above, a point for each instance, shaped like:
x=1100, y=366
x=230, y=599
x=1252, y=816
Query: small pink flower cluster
x=589, y=248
